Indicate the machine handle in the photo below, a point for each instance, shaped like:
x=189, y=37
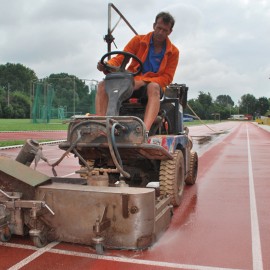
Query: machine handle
x=48, y=208
x=9, y=196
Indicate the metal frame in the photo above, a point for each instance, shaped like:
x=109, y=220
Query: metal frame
x=109, y=37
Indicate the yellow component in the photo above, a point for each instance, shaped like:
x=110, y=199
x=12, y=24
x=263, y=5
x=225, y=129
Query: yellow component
x=263, y=120
x=259, y=120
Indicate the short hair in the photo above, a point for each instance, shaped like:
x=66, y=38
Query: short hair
x=166, y=17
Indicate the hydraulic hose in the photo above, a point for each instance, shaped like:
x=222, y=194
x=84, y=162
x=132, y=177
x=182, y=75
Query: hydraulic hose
x=66, y=153
x=113, y=148
x=73, y=145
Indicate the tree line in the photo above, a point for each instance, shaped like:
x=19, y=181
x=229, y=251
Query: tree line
x=18, y=84
x=207, y=108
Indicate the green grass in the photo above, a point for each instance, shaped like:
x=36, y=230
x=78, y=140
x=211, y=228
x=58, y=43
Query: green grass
x=11, y=143
x=27, y=125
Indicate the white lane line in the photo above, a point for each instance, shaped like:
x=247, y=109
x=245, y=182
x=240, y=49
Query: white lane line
x=138, y=261
x=33, y=256
x=108, y=258
x=255, y=231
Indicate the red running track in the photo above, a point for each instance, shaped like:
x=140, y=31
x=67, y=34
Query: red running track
x=35, y=135
x=222, y=223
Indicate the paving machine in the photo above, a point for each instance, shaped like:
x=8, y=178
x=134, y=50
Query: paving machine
x=129, y=183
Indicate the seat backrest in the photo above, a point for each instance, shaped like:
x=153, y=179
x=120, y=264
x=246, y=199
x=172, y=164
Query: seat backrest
x=119, y=87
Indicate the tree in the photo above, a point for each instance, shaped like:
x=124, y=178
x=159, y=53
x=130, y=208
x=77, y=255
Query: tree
x=8, y=111
x=262, y=106
x=206, y=102
x=21, y=105
x=70, y=92
x=16, y=77
x=224, y=100
x=224, y=105
x=223, y=111
x=247, y=104
x=196, y=107
x=2, y=101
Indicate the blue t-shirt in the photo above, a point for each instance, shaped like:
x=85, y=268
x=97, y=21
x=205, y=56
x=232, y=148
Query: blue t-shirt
x=153, y=60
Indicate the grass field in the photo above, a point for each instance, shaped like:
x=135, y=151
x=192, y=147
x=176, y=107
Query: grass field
x=27, y=125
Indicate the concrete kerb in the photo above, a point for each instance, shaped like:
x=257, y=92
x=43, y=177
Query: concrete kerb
x=265, y=127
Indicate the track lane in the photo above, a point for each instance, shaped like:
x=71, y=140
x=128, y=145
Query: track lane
x=212, y=227
x=260, y=156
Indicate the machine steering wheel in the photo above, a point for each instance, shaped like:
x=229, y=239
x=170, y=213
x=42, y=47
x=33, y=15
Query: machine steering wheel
x=125, y=61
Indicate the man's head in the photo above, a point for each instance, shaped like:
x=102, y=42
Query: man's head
x=163, y=26
x=166, y=18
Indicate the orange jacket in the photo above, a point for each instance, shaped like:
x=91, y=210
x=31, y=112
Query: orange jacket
x=139, y=45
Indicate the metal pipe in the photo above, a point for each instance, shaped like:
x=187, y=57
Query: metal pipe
x=9, y=196
x=122, y=16
x=109, y=28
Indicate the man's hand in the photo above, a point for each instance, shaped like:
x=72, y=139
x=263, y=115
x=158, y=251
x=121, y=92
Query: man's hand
x=107, y=69
x=100, y=67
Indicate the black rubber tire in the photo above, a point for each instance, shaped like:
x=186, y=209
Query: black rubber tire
x=171, y=177
x=193, y=169
x=169, y=108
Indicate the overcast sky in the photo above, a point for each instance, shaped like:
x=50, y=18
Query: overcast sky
x=224, y=44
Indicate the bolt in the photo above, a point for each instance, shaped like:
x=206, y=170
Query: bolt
x=134, y=209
